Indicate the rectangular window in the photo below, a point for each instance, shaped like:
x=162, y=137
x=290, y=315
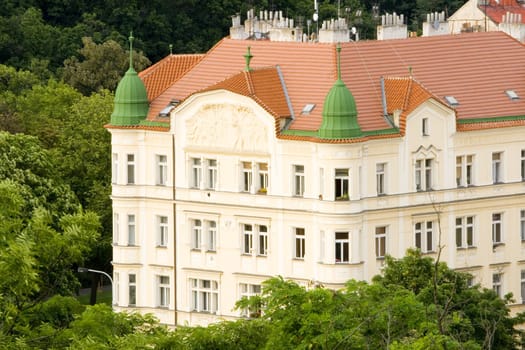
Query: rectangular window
x=247, y=176
x=164, y=291
x=342, y=184
x=423, y=174
x=424, y=236
x=523, y=286
x=162, y=170
x=254, y=239
x=196, y=171
x=116, y=228
x=131, y=169
x=342, y=247
x=300, y=243
x=211, y=180
x=497, y=175
x=465, y=232
x=131, y=230
x=263, y=240
x=464, y=171
x=114, y=168
x=132, y=289
x=497, y=233
x=522, y=225
x=380, y=178
x=523, y=164
x=298, y=180
x=196, y=234
x=162, y=230
x=204, y=295
x=247, y=239
x=380, y=241
x=497, y=283
x=248, y=290
x=211, y=243
x=424, y=127
x=116, y=288
x=263, y=177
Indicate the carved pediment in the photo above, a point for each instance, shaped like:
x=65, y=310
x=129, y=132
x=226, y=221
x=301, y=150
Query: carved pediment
x=227, y=127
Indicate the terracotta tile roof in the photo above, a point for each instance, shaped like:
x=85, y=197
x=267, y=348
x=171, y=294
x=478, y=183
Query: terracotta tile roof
x=495, y=10
x=167, y=71
x=475, y=68
x=262, y=85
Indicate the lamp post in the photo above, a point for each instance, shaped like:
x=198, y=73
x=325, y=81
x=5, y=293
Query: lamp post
x=85, y=269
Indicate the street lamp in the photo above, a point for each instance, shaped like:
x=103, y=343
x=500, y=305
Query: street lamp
x=85, y=269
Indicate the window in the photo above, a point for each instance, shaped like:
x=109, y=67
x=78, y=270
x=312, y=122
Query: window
x=247, y=176
x=342, y=247
x=523, y=286
x=211, y=243
x=204, y=295
x=523, y=164
x=341, y=184
x=423, y=174
x=211, y=181
x=255, y=234
x=164, y=291
x=116, y=228
x=298, y=180
x=131, y=169
x=162, y=231
x=162, y=170
x=196, y=171
x=248, y=290
x=114, y=168
x=263, y=177
x=196, y=234
x=380, y=178
x=464, y=171
x=465, y=232
x=522, y=225
x=497, y=283
x=497, y=167
x=424, y=236
x=116, y=289
x=300, y=243
x=132, y=289
x=380, y=241
x=424, y=127
x=497, y=228
x=131, y=230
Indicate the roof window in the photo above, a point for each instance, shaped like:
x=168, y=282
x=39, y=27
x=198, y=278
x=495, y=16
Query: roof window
x=451, y=100
x=166, y=111
x=512, y=95
x=308, y=108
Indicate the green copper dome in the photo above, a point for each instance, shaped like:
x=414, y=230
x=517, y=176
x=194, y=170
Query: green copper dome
x=339, y=111
x=131, y=99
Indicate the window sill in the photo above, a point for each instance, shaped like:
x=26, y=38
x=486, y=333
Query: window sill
x=204, y=312
x=467, y=248
x=497, y=244
x=380, y=258
x=195, y=249
x=211, y=251
x=131, y=246
x=381, y=194
x=162, y=246
x=297, y=259
x=262, y=255
x=165, y=307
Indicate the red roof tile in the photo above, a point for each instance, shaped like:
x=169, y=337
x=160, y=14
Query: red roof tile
x=495, y=10
x=475, y=68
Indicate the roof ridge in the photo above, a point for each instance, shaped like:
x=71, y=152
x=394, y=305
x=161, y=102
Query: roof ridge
x=249, y=82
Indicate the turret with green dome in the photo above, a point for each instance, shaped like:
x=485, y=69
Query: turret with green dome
x=339, y=111
x=131, y=99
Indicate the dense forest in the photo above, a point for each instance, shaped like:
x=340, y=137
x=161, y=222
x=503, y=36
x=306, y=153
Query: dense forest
x=60, y=62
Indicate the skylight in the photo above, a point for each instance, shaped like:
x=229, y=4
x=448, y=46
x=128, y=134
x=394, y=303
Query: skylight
x=512, y=94
x=166, y=111
x=308, y=108
x=451, y=100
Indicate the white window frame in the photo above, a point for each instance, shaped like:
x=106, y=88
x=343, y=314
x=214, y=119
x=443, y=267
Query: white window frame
x=342, y=246
x=497, y=228
x=196, y=173
x=254, y=239
x=263, y=177
x=247, y=176
x=211, y=235
x=300, y=243
x=116, y=288
x=163, y=290
x=522, y=285
x=162, y=231
x=132, y=230
x=464, y=170
x=162, y=169
x=497, y=167
x=381, y=233
x=342, y=184
x=464, y=232
x=425, y=127
x=381, y=179
x=132, y=289
x=262, y=233
x=130, y=166
x=196, y=234
x=248, y=290
x=497, y=283
x=114, y=168
x=298, y=180
x=247, y=238
x=522, y=225
x=116, y=228
x=204, y=295
x=424, y=169
x=424, y=238
x=211, y=171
